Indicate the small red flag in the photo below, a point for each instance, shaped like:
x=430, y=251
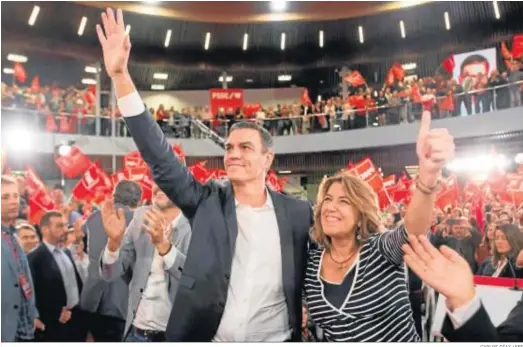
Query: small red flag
x=19, y=72
x=355, y=79
x=517, y=46
x=73, y=164
x=35, y=84
x=305, y=99
x=448, y=64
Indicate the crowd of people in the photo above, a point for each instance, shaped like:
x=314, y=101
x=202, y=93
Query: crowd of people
x=234, y=261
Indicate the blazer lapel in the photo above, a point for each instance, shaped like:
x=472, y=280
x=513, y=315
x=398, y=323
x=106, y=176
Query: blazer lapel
x=229, y=212
x=286, y=244
x=11, y=259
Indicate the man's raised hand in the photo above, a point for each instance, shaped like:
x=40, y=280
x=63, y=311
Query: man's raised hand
x=113, y=221
x=116, y=45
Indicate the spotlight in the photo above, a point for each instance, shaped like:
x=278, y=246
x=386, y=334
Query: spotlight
x=64, y=150
x=19, y=140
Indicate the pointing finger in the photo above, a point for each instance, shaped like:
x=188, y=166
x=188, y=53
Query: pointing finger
x=426, y=119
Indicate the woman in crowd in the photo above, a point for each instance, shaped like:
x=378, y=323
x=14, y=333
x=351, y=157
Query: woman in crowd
x=507, y=253
x=484, y=252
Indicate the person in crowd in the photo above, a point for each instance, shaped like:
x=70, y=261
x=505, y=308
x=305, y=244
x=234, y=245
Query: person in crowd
x=238, y=223
x=462, y=237
x=81, y=259
x=107, y=302
x=449, y=274
x=67, y=209
x=508, y=248
x=57, y=283
x=484, y=251
x=516, y=75
x=24, y=198
x=356, y=283
x=28, y=237
x=19, y=314
x=504, y=218
x=155, y=258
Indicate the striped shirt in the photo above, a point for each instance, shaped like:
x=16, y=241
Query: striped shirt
x=377, y=306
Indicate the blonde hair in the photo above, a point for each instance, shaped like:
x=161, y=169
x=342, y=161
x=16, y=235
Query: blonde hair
x=361, y=196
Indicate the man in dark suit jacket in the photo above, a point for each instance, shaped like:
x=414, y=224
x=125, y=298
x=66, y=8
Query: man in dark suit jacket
x=449, y=274
x=243, y=275
x=107, y=301
x=57, y=284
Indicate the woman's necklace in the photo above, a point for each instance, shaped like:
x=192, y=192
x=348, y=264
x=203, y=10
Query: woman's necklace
x=341, y=264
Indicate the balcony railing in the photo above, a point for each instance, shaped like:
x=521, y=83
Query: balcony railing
x=465, y=104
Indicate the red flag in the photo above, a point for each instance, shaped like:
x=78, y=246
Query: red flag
x=65, y=124
x=305, y=99
x=274, y=183
x=50, y=125
x=94, y=185
x=366, y=170
x=200, y=172
x=355, y=79
x=73, y=164
x=19, y=72
x=35, y=85
x=133, y=159
x=390, y=78
x=90, y=95
x=505, y=53
x=39, y=203
x=33, y=181
x=517, y=46
x=448, y=64
x=398, y=71
x=178, y=151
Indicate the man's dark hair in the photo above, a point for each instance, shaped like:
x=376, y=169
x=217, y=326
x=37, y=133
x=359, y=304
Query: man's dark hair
x=265, y=136
x=474, y=58
x=46, y=218
x=127, y=193
x=59, y=187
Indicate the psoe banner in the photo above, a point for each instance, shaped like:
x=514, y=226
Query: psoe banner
x=225, y=98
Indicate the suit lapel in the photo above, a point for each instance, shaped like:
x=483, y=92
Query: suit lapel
x=229, y=212
x=286, y=244
x=11, y=259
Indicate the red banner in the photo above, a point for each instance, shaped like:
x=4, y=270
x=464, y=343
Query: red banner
x=355, y=79
x=517, y=46
x=39, y=203
x=226, y=98
x=73, y=164
x=94, y=186
x=33, y=181
x=133, y=159
x=274, y=182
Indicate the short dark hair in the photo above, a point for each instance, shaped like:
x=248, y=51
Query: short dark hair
x=58, y=186
x=46, y=218
x=8, y=180
x=127, y=193
x=475, y=58
x=265, y=136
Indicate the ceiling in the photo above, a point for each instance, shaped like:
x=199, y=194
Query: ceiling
x=56, y=52
x=254, y=11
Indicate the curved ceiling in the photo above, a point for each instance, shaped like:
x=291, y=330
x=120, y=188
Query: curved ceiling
x=254, y=11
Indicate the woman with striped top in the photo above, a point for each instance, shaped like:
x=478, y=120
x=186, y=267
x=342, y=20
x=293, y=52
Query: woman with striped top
x=355, y=283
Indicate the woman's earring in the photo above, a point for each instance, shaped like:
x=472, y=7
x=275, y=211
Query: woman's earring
x=358, y=237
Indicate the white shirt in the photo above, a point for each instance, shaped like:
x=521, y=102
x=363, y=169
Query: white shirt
x=155, y=306
x=463, y=314
x=67, y=270
x=255, y=309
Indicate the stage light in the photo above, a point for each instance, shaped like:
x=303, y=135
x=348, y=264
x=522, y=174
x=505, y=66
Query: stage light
x=402, y=29
x=207, y=41
x=17, y=58
x=284, y=78
x=282, y=42
x=278, y=6
x=91, y=69
x=360, y=34
x=321, y=38
x=89, y=81
x=496, y=9
x=19, y=140
x=167, y=38
x=34, y=15
x=64, y=150
x=157, y=87
x=519, y=158
x=160, y=76
x=480, y=164
x=245, y=41
x=8, y=71
x=228, y=79
x=447, y=20
x=81, y=28
x=284, y=172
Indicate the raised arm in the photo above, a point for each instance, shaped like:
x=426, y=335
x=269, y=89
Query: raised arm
x=172, y=177
x=434, y=148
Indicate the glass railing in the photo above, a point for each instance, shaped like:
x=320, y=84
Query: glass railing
x=401, y=111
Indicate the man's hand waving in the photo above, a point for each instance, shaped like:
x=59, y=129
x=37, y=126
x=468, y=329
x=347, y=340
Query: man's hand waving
x=116, y=45
x=445, y=270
